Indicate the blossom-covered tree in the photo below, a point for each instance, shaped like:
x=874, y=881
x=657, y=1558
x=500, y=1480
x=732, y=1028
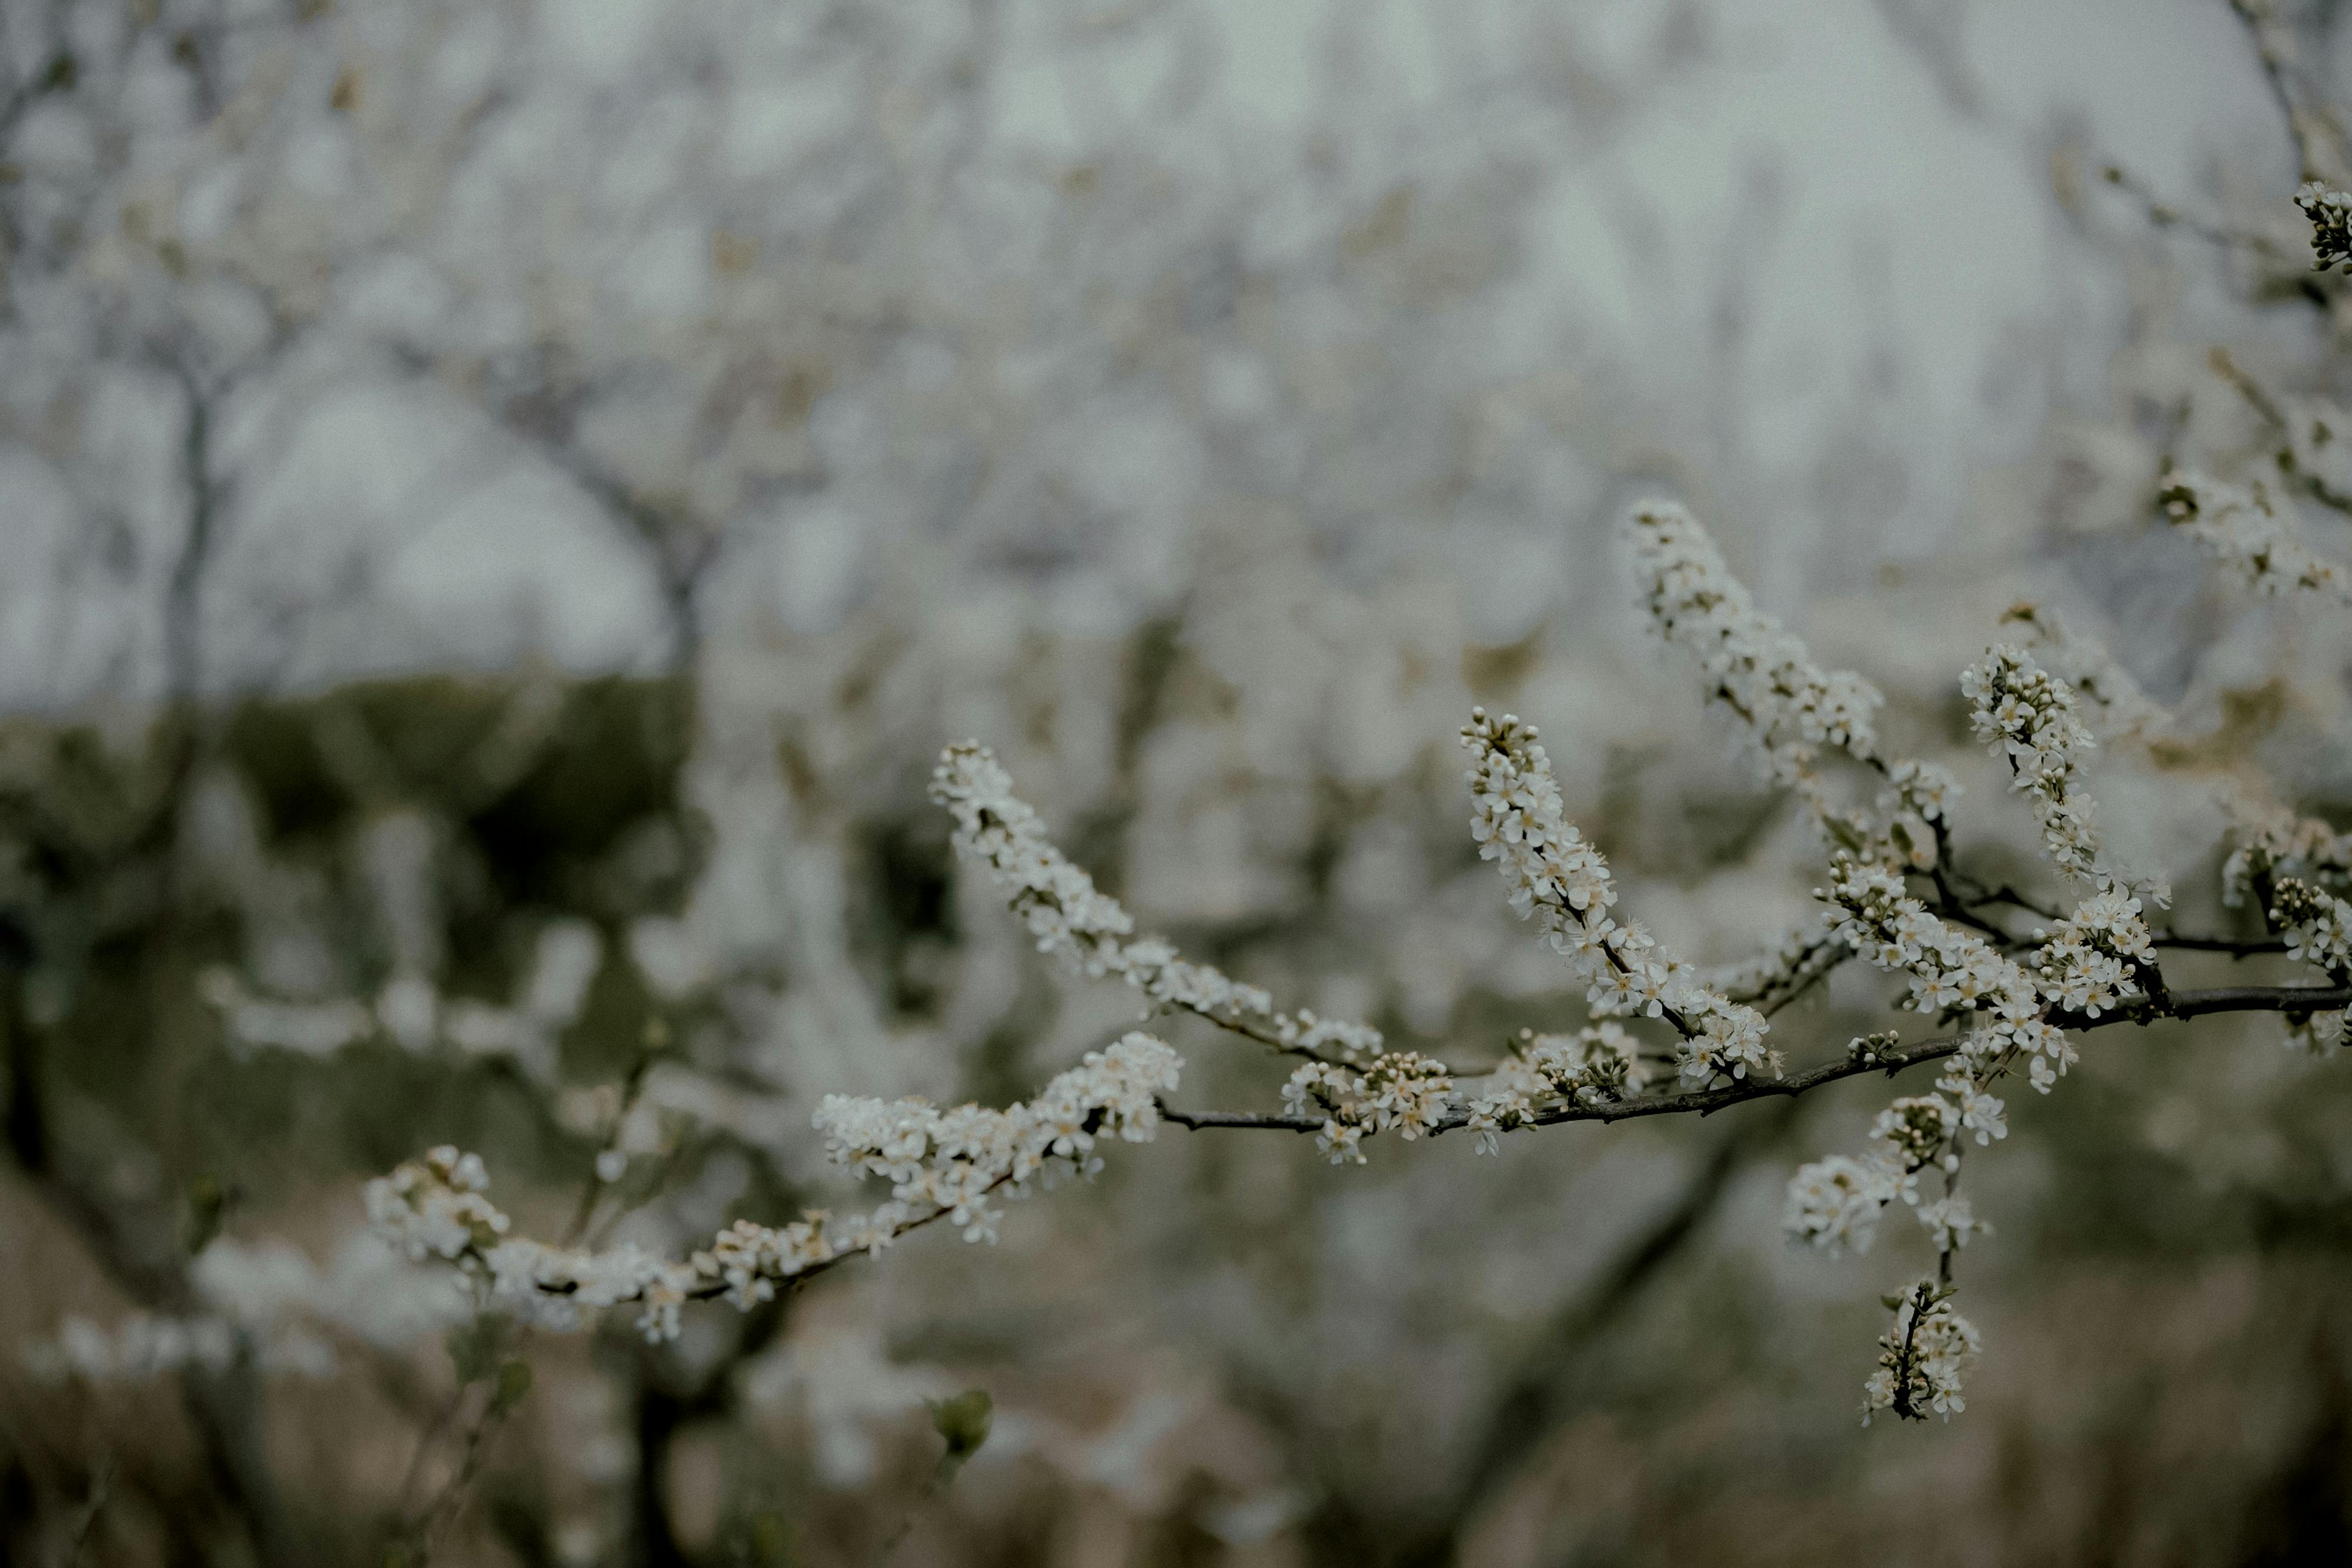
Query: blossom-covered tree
x=464, y=1114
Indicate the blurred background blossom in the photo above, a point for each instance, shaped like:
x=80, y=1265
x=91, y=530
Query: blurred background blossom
x=501, y=505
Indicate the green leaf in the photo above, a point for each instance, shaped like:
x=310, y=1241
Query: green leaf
x=961, y=1423
x=207, y=1206
x=473, y=1347
x=514, y=1382
x=762, y=1539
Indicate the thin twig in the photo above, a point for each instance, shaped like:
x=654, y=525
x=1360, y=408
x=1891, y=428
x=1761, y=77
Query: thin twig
x=1529, y=1405
x=2312, y=485
x=85, y=1524
x=2235, y=949
x=2262, y=24
x=1705, y=1102
x=2161, y=213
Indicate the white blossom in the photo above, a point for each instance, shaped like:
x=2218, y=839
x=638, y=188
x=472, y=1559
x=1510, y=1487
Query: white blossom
x=1922, y=1358
x=2090, y=961
x=1789, y=705
x=2316, y=1036
x=2241, y=526
x=1834, y=1203
x=1075, y=921
x=1595, y=1066
x=2330, y=211
x=1953, y=970
x=2271, y=841
x=2319, y=928
x=1916, y=1128
x=139, y=1348
x=1562, y=882
x=1400, y=1090
x=2033, y=720
x=2111, y=700
x=940, y=1165
x=1949, y=1222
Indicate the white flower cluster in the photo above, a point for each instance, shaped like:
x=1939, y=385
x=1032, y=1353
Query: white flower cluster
x=437, y=1208
x=1922, y=1358
x=1595, y=1066
x=2319, y=928
x=1072, y=918
x=1400, y=1089
x=1949, y=1222
x=2111, y=701
x=1562, y=882
x=434, y=1207
x=1835, y=1203
x=2088, y=965
x=1917, y=801
x=950, y=1162
x=136, y=1349
x=1789, y=705
x=410, y=1012
x=940, y=1165
x=2272, y=842
x=1917, y=1127
x=2316, y=451
x=1872, y=1049
x=1952, y=970
x=2330, y=211
x=2032, y=718
x=264, y=1304
x=2316, y=1034
x=1755, y=666
x=2238, y=525
x=2089, y=962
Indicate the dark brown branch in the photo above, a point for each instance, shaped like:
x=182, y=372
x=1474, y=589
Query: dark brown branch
x=2303, y=999
x=2221, y=945
x=2297, y=999
x=2007, y=895
x=1816, y=963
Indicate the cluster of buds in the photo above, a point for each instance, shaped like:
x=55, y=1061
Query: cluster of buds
x=2330, y=211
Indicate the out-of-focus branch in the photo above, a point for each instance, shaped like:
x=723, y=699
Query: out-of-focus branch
x=2163, y=213
x=662, y=1410
x=1531, y=1397
x=138, y=1252
x=183, y=606
x=2312, y=485
x=2272, y=48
